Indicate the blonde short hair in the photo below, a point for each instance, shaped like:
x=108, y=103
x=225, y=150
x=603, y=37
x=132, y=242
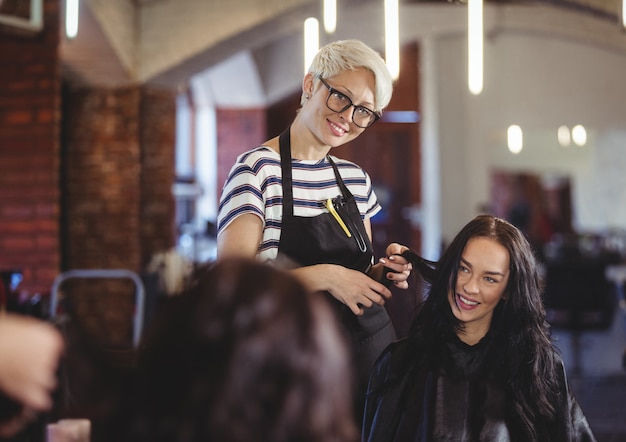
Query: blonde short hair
x=344, y=55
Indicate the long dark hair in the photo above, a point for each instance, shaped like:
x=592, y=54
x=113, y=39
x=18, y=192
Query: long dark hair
x=521, y=333
x=246, y=354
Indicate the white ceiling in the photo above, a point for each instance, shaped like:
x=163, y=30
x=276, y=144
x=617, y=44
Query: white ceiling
x=166, y=42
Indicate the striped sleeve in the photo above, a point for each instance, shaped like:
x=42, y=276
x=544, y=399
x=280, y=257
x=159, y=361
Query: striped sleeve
x=244, y=190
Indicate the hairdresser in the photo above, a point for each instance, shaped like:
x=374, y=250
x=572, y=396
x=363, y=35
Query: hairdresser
x=291, y=202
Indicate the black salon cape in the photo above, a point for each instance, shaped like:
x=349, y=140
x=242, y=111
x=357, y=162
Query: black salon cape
x=459, y=401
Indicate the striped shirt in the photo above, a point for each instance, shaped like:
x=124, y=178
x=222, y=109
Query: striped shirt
x=254, y=185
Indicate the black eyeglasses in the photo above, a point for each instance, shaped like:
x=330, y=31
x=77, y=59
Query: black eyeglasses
x=338, y=102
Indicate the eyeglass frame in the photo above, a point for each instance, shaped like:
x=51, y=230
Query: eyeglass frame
x=332, y=90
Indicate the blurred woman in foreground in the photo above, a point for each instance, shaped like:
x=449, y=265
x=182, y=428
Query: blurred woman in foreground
x=246, y=354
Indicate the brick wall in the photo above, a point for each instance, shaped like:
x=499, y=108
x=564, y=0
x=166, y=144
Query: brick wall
x=158, y=139
x=102, y=179
x=29, y=151
x=238, y=130
x=118, y=169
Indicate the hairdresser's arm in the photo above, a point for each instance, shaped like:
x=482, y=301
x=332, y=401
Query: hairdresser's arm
x=241, y=238
x=353, y=288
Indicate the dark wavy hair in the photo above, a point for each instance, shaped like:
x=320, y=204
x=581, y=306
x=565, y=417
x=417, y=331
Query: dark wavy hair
x=525, y=352
x=246, y=354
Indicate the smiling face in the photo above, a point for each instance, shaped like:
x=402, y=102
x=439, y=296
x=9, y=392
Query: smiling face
x=332, y=128
x=482, y=278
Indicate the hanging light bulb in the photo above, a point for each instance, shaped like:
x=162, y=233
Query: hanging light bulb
x=392, y=38
x=311, y=41
x=71, y=18
x=475, y=46
x=330, y=16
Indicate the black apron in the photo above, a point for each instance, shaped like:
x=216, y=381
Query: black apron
x=321, y=240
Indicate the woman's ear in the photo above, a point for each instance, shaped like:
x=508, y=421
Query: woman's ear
x=307, y=84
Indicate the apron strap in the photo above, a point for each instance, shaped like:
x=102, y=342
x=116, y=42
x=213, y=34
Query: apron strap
x=344, y=189
x=284, y=145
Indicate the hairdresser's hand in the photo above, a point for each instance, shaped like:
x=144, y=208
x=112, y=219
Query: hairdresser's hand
x=30, y=350
x=351, y=287
x=392, y=269
x=397, y=269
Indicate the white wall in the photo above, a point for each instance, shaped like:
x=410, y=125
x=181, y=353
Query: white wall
x=539, y=82
x=601, y=196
